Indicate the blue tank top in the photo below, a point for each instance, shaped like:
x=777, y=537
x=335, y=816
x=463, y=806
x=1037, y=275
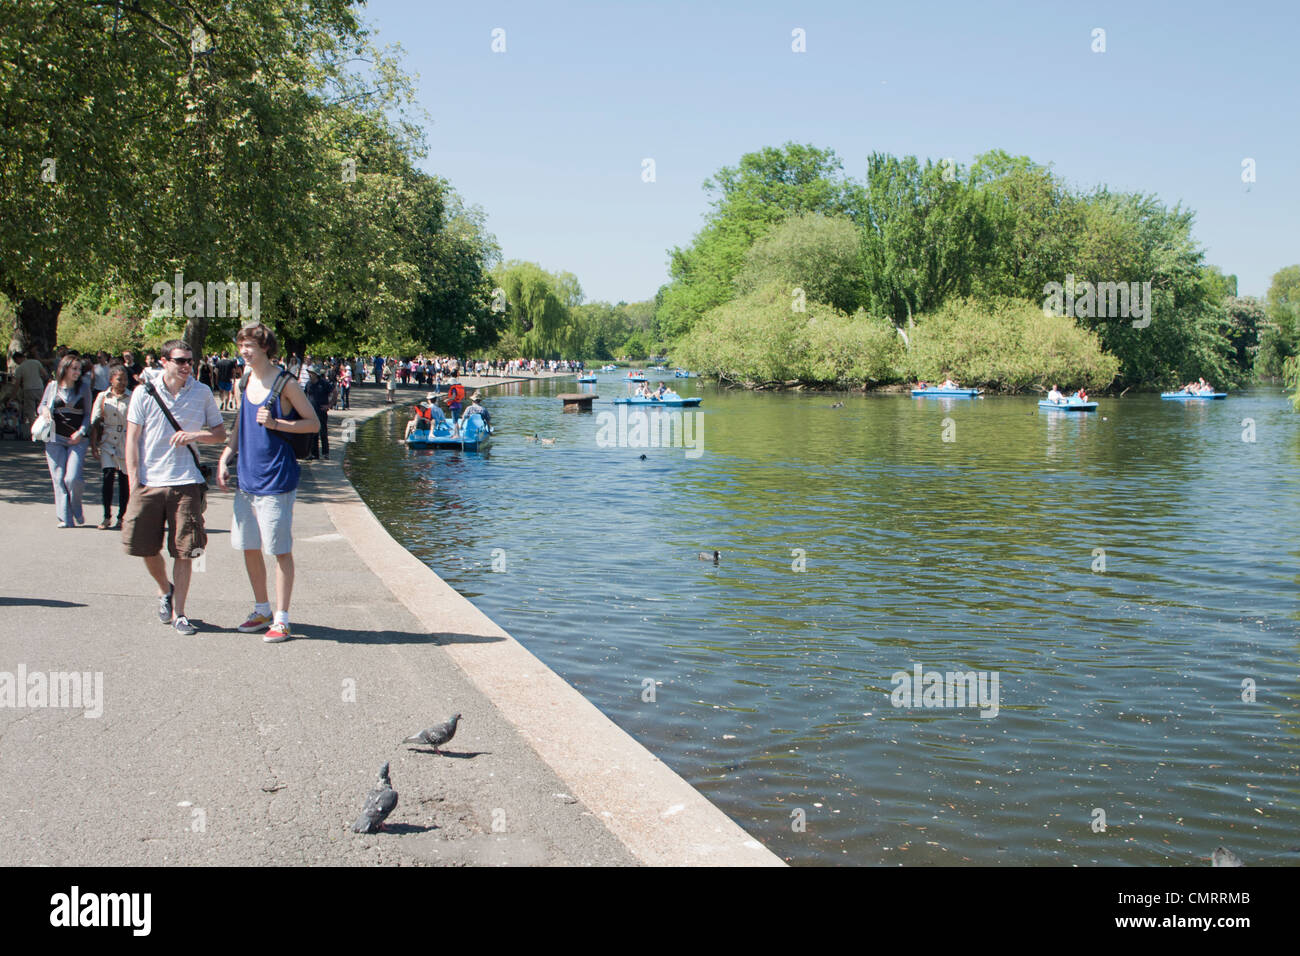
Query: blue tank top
x=266, y=463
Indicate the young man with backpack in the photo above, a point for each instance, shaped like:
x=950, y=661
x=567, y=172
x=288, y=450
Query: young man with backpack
x=268, y=444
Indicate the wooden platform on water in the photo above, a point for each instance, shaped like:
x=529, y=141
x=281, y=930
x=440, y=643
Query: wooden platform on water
x=577, y=401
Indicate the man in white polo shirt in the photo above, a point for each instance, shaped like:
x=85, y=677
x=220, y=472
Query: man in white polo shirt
x=168, y=493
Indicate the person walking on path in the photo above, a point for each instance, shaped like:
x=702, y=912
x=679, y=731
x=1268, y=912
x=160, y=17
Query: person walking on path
x=67, y=400
x=390, y=381
x=31, y=378
x=345, y=386
x=268, y=476
x=320, y=392
x=168, y=494
x=109, y=414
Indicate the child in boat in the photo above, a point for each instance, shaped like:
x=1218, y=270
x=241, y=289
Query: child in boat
x=1055, y=395
x=1081, y=395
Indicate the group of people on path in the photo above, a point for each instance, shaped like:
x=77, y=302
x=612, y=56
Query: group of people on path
x=145, y=438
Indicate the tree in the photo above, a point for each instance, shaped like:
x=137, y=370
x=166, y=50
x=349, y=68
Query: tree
x=765, y=188
x=818, y=255
x=926, y=235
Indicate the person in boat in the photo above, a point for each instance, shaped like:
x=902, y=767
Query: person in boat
x=426, y=417
x=1081, y=395
x=1055, y=396
x=661, y=391
x=474, y=408
x=949, y=384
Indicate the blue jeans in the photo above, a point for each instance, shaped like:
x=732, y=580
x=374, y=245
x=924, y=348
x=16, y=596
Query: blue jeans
x=66, y=463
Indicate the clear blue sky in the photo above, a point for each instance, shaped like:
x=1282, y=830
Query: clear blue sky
x=549, y=136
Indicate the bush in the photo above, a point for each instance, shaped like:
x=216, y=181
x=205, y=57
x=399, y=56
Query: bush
x=759, y=339
x=1007, y=344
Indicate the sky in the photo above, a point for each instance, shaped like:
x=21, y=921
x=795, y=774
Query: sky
x=551, y=135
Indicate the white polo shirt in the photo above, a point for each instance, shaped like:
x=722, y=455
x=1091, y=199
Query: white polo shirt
x=194, y=408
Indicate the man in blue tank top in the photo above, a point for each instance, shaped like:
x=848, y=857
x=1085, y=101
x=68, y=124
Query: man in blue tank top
x=268, y=477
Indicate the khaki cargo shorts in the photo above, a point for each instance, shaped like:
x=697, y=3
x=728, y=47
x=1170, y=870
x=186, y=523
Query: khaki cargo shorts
x=176, y=511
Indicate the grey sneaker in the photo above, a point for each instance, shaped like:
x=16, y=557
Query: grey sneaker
x=183, y=626
x=165, y=605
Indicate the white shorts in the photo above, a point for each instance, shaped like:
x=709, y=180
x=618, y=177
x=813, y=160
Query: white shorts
x=263, y=522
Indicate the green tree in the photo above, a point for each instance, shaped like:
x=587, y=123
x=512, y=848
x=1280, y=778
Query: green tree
x=926, y=235
x=765, y=188
x=819, y=255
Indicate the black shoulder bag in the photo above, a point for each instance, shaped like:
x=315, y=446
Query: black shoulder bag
x=204, y=470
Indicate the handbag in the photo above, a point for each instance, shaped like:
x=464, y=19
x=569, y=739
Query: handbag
x=204, y=470
x=43, y=427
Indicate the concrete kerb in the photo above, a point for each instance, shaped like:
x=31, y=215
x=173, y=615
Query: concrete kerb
x=658, y=816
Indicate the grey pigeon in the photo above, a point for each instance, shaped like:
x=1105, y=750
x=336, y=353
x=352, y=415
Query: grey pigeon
x=1225, y=857
x=379, y=804
x=435, y=737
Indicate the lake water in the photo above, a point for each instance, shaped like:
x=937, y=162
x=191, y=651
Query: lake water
x=1121, y=574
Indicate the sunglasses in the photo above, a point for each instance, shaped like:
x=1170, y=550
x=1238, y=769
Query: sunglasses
x=182, y=361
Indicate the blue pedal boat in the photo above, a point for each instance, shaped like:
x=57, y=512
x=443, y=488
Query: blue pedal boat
x=1071, y=406
x=473, y=435
x=1192, y=396
x=585, y=379
x=946, y=392
x=661, y=402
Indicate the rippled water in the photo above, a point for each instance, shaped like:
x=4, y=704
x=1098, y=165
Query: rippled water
x=1120, y=690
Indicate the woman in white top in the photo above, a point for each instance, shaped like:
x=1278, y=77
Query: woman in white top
x=67, y=400
x=110, y=409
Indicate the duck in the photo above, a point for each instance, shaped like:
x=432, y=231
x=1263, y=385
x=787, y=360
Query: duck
x=706, y=556
x=838, y=405
x=532, y=437
x=547, y=441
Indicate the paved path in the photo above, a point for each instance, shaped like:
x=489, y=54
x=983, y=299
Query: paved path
x=219, y=749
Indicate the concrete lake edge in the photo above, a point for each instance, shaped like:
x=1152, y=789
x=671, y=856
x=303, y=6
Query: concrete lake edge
x=654, y=812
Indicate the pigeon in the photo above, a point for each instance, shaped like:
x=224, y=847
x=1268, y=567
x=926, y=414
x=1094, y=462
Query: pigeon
x=1225, y=857
x=435, y=736
x=705, y=556
x=379, y=804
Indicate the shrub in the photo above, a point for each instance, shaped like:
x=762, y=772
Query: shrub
x=1007, y=344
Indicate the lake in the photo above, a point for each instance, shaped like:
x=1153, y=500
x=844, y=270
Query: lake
x=1125, y=580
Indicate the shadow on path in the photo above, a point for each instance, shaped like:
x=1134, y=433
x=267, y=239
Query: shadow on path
x=36, y=602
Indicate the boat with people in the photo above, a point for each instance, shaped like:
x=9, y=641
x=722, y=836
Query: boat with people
x=1060, y=402
x=587, y=379
x=933, y=391
x=609, y=368
x=947, y=389
x=470, y=435
x=1069, y=405
x=1200, y=389
x=682, y=373
x=636, y=376
x=668, y=401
